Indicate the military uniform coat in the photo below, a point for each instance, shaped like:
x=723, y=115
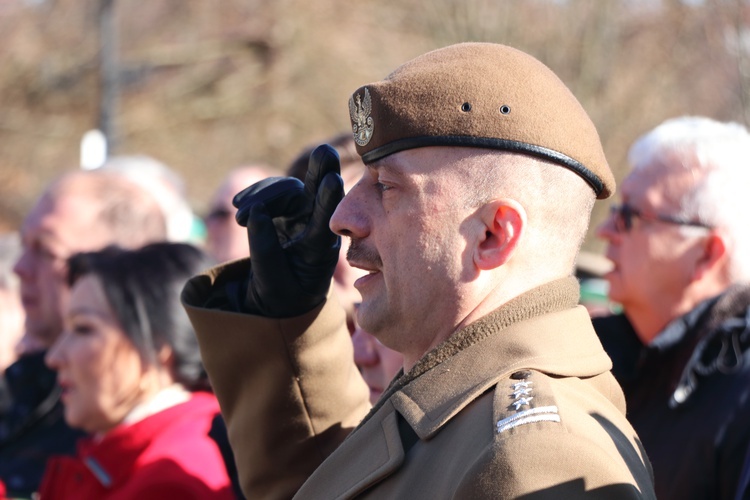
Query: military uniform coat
x=519, y=404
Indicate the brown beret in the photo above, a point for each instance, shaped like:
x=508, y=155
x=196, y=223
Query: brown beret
x=479, y=95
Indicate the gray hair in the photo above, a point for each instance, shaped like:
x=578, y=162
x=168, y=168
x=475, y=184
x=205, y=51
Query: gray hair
x=165, y=185
x=128, y=214
x=717, y=155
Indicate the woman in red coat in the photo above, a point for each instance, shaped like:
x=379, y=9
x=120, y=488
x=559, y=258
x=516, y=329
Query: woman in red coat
x=129, y=369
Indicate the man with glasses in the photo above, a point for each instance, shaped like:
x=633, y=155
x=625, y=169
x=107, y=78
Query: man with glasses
x=80, y=211
x=225, y=240
x=680, y=245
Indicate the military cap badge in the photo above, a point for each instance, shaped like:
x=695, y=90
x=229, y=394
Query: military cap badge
x=362, y=124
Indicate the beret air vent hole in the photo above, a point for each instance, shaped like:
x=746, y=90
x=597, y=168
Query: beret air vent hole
x=505, y=109
x=466, y=107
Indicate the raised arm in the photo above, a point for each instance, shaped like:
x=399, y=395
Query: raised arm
x=277, y=351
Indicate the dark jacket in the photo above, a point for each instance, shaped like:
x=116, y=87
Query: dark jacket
x=688, y=394
x=32, y=426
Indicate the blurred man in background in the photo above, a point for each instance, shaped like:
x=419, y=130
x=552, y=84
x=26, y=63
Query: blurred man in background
x=225, y=240
x=80, y=211
x=167, y=187
x=680, y=245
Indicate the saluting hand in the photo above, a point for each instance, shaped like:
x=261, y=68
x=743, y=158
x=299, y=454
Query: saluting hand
x=293, y=253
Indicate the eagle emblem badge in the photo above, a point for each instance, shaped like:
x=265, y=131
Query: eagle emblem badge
x=362, y=124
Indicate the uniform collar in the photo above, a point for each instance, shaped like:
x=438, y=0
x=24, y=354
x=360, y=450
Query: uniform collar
x=541, y=330
x=554, y=296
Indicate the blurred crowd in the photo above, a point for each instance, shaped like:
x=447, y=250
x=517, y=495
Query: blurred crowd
x=104, y=391
x=102, y=370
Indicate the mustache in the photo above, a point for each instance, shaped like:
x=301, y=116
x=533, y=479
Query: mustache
x=363, y=255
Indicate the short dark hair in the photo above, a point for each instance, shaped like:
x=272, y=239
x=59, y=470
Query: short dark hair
x=342, y=143
x=143, y=289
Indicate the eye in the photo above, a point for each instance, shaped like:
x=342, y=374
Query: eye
x=380, y=180
x=41, y=251
x=82, y=329
x=382, y=187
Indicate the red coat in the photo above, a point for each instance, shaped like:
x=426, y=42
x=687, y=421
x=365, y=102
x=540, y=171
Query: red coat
x=166, y=455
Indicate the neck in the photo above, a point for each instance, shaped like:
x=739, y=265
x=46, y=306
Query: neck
x=647, y=324
x=535, y=299
x=163, y=399
x=650, y=319
x=504, y=289
x=557, y=295
x=486, y=299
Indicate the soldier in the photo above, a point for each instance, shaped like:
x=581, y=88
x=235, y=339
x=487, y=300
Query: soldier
x=482, y=170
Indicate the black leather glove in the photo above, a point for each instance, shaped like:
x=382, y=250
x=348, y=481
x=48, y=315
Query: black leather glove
x=293, y=253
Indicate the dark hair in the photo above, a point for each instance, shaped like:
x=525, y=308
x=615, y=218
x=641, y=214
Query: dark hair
x=143, y=289
x=342, y=143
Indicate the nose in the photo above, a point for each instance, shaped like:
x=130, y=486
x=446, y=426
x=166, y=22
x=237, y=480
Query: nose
x=349, y=218
x=55, y=354
x=606, y=230
x=23, y=266
x=365, y=353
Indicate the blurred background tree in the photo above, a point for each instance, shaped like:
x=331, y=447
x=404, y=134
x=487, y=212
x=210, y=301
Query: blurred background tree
x=206, y=85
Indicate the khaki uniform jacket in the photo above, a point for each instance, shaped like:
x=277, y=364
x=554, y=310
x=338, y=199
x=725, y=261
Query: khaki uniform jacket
x=520, y=404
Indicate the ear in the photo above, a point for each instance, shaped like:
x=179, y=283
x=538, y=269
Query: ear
x=503, y=221
x=713, y=254
x=166, y=356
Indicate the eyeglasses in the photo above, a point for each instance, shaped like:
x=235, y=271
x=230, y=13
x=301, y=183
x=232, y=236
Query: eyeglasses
x=623, y=218
x=39, y=251
x=218, y=214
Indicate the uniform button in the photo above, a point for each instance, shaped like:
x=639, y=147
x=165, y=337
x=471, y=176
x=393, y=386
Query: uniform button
x=523, y=374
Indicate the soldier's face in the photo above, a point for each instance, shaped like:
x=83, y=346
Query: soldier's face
x=345, y=275
x=225, y=239
x=404, y=218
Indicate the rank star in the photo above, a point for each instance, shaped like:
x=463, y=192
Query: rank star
x=521, y=392
x=521, y=402
x=519, y=385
